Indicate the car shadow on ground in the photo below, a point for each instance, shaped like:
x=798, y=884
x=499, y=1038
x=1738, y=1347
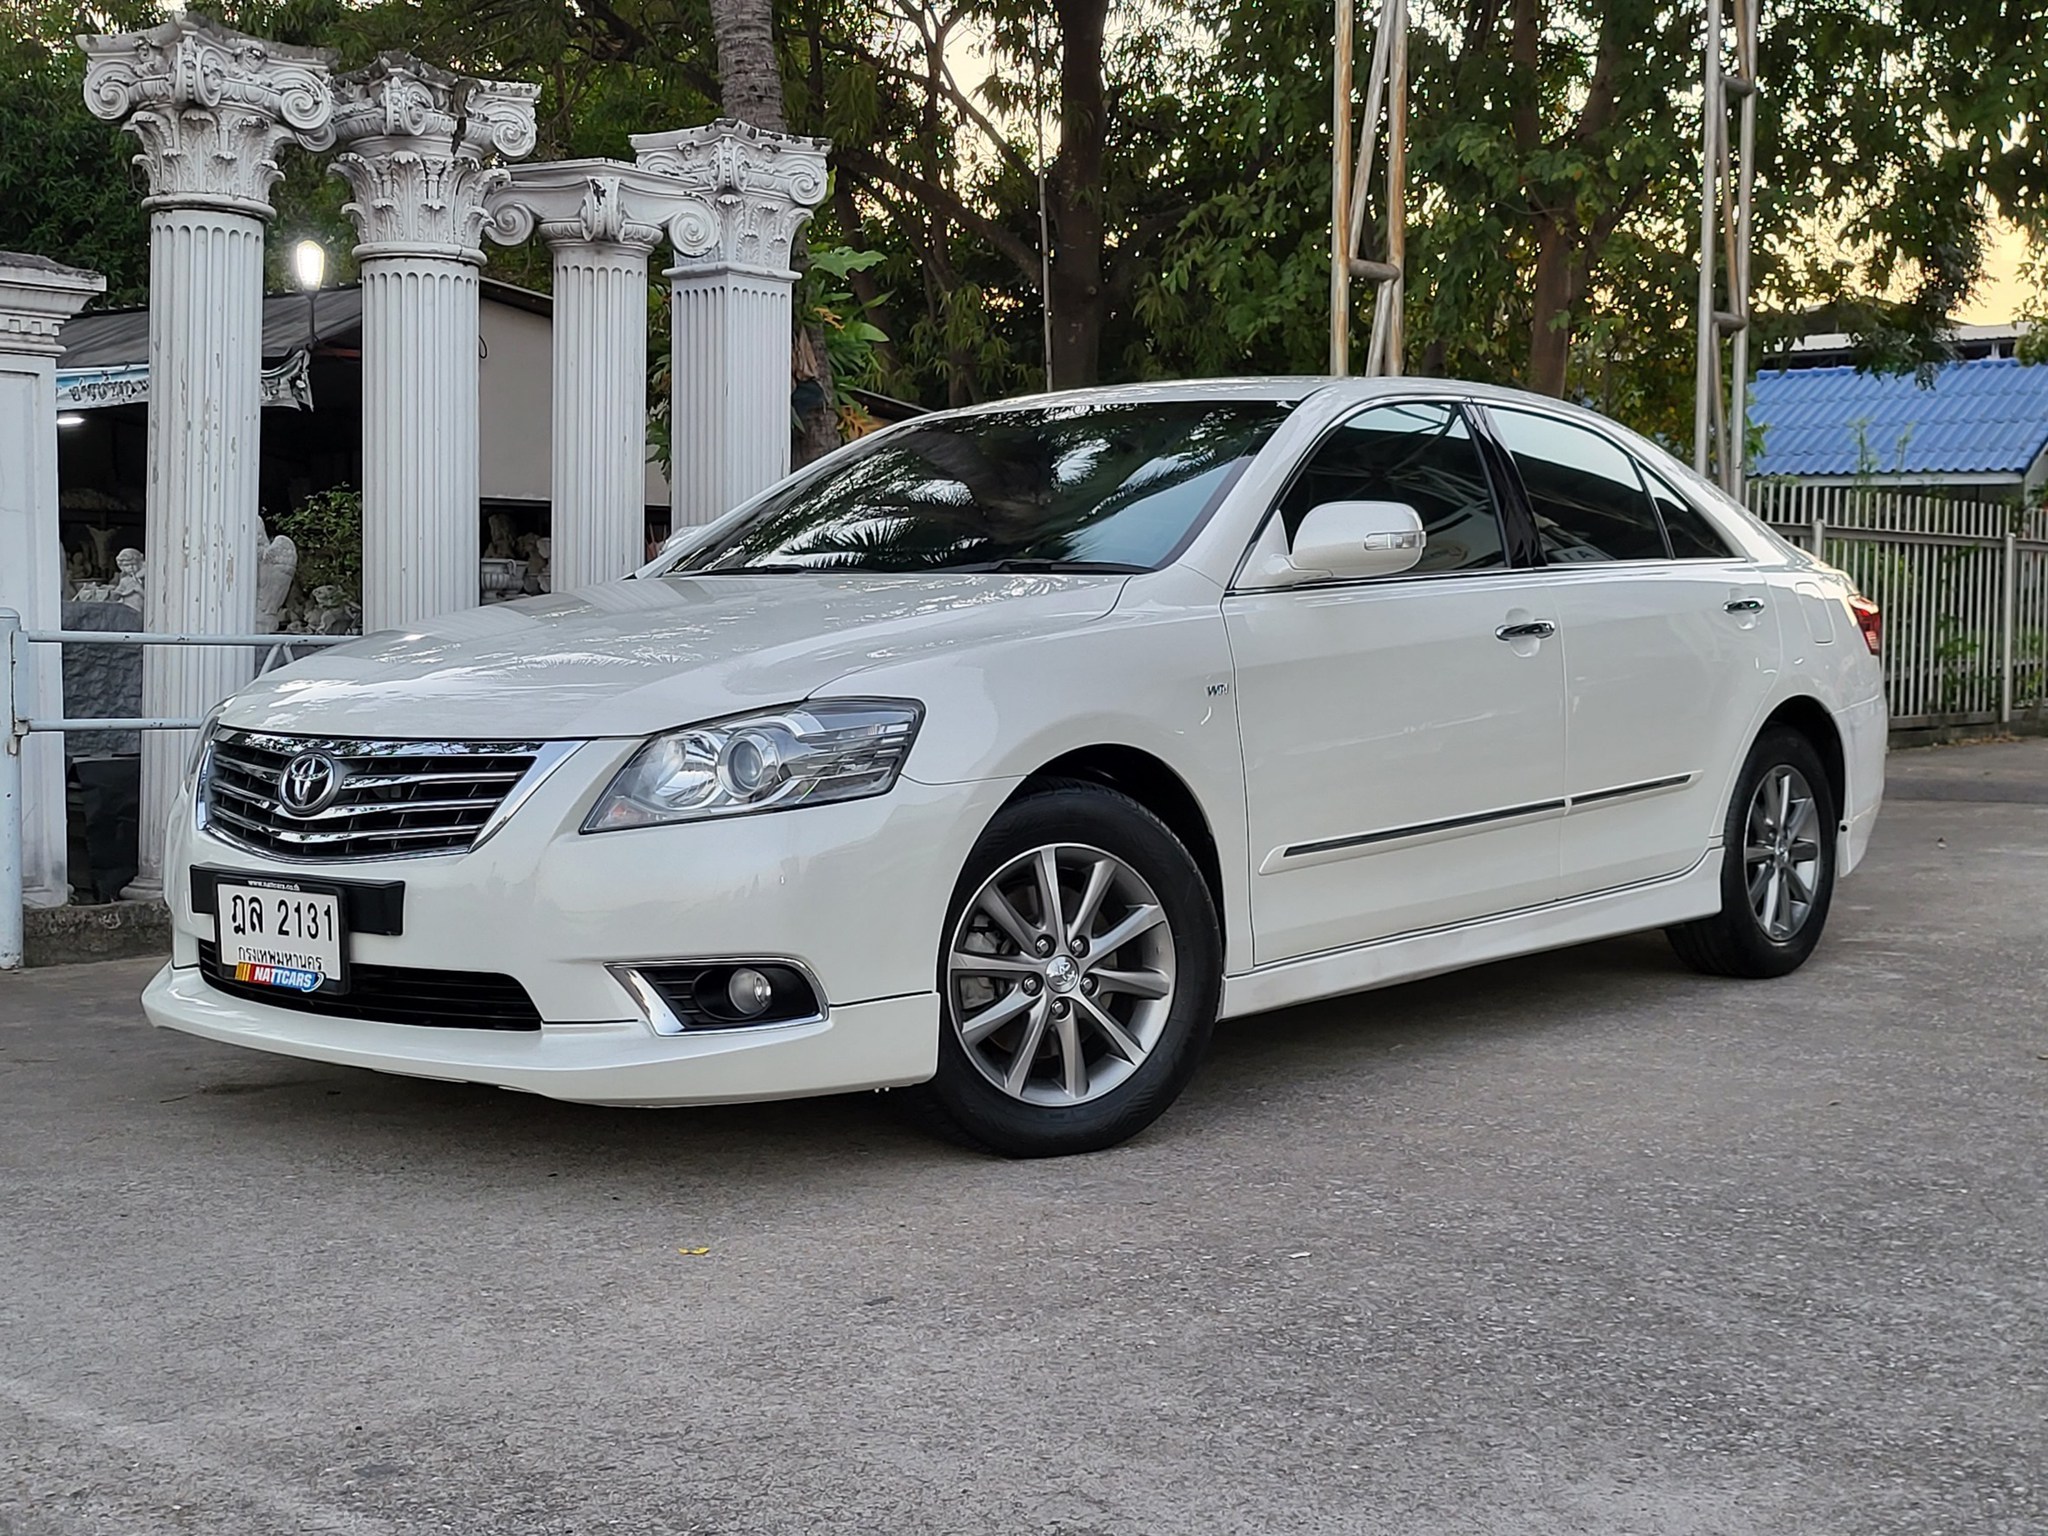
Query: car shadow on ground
x=268, y=1104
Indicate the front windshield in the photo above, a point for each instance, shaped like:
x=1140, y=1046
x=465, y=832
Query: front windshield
x=1077, y=487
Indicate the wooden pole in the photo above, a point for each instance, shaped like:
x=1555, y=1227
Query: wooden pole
x=1390, y=343
x=1340, y=198
x=1707, y=369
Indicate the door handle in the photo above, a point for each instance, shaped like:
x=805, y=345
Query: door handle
x=1744, y=605
x=1540, y=629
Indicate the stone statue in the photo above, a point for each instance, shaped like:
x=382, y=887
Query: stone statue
x=128, y=578
x=275, y=567
x=331, y=613
x=126, y=587
x=502, y=546
x=540, y=552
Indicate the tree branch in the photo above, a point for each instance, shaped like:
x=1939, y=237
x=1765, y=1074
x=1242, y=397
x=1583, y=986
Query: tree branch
x=1598, y=110
x=873, y=167
x=950, y=88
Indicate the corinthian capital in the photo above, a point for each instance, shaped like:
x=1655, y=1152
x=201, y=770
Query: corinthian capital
x=758, y=187
x=422, y=154
x=211, y=108
x=598, y=202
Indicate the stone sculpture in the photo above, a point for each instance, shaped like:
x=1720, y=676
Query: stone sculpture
x=125, y=587
x=275, y=567
x=502, y=544
x=331, y=613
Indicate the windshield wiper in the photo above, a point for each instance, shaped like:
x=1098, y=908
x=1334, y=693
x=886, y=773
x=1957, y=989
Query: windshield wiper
x=1032, y=565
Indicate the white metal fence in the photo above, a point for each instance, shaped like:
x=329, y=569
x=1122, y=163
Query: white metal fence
x=15, y=727
x=1963, y=583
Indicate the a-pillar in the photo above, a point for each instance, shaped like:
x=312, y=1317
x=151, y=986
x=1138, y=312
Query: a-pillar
x=36, y=297
x=601, y=219
x=211, y=108
x=422, y=148
x=730, y=299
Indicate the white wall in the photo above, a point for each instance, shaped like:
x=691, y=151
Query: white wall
x=515, y=396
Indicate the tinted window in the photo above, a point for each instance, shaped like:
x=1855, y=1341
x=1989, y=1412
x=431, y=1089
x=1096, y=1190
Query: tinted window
x=1419, y=454
x=1692, y=536
x=1119, y=484
x=1588, y=502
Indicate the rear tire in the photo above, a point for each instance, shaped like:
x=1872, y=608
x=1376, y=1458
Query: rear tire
x=1080, y=970
x=1777, y=866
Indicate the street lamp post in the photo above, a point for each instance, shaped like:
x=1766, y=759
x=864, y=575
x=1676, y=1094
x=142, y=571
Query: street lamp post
x=309, y=262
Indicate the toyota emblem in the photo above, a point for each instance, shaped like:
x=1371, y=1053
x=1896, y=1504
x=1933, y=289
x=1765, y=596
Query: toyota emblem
x=309, y=783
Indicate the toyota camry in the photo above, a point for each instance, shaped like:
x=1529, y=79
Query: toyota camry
x=998, y=755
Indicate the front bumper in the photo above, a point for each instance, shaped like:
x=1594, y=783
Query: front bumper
x=856, y=892
x=882, y=1044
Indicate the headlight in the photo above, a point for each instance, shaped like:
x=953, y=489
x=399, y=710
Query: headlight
x=200, y=764
x=202, y=739
x=807, y=754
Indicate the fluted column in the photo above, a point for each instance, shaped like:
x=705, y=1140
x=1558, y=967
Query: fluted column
x=600, y=219
x=211, y=108
x=36, y=298
x=730, y=296
x=599, y=475
x=422, y=150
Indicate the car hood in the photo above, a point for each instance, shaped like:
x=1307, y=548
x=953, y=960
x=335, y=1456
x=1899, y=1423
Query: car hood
x=627, y=658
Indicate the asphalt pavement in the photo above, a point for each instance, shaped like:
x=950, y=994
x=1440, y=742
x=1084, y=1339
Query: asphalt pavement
x=1579, y=1243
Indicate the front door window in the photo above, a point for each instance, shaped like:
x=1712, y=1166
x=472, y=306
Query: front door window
x=1420, y=453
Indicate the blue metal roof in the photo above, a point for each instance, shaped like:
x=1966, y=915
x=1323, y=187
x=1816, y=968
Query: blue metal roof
x=1985, y=416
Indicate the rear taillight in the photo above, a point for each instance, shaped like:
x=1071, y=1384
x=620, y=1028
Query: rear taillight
x=1869, y=620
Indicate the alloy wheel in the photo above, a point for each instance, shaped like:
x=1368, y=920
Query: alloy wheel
x=1060, y=975
x=1781, y=852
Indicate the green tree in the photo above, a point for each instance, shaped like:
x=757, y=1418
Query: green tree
x=67, y=190
x=1554, y=219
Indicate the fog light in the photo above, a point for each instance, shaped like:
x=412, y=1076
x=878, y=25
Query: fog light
x=749, y=992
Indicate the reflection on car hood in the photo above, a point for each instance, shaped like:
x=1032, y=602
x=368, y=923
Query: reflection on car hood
x=630, y=657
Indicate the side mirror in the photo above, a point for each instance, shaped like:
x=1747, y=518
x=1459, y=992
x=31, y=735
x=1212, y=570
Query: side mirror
x=1357, y=538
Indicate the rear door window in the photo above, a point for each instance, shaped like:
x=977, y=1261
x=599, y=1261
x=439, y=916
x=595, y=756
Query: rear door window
x=1588, y=501
x=1420, y=453
x=1692, y=536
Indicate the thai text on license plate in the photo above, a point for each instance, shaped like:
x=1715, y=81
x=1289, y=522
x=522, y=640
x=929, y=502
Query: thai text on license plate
x=280, y=937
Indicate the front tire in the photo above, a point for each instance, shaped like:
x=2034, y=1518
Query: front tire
x=1079, y=975
x=1777, y=866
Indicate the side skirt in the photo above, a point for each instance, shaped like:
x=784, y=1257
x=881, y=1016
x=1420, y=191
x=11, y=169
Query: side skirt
x=1411, y=956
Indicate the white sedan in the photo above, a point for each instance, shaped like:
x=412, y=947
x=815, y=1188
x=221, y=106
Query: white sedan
x=1003, y=752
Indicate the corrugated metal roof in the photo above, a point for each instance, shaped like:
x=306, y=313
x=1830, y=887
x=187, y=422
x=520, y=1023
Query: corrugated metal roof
x=114, y=338
x=1987, y=416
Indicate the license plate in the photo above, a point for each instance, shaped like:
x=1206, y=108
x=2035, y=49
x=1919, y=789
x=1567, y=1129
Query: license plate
x=282, y=935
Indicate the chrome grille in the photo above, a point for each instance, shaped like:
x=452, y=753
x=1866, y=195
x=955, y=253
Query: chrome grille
x=394, y=797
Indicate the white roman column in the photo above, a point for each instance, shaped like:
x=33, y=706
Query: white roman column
x=211, y=107
x=600, y=219
x=36, y=297
x=422, y=150
x=730, y=293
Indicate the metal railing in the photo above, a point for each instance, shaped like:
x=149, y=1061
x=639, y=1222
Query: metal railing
x=1962, y=582
x=14, y=644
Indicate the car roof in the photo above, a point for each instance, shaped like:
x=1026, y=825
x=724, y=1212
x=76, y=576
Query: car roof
x=1281, y=389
